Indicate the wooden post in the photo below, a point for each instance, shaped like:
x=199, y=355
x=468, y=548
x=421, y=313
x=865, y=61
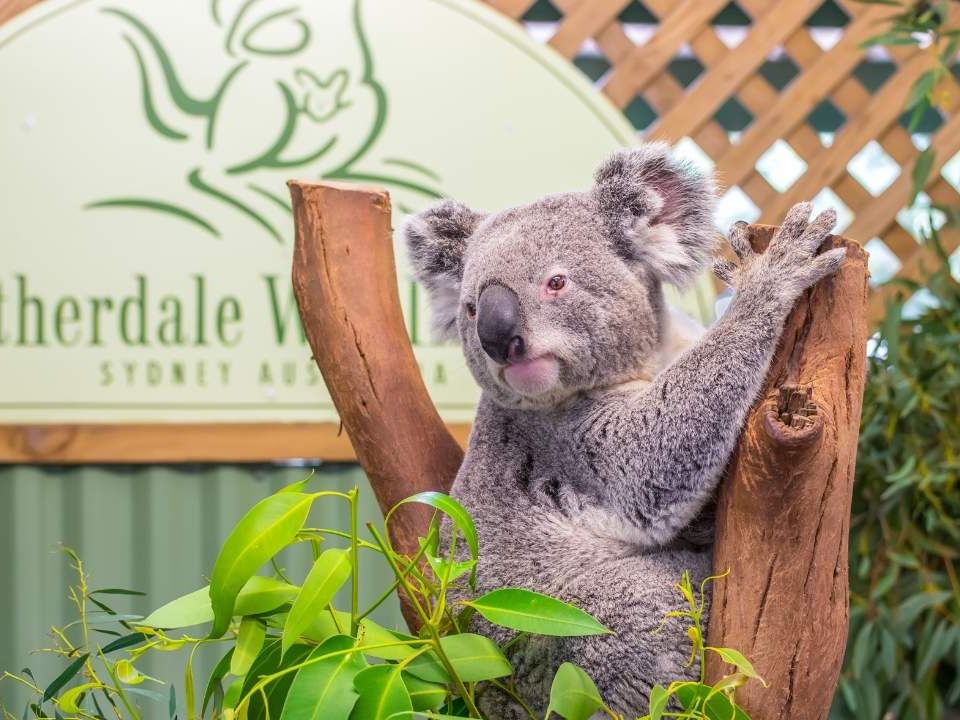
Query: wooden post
x=783, y=512
x=345, y=281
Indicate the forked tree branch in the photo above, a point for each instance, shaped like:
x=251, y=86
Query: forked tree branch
x=783, y=510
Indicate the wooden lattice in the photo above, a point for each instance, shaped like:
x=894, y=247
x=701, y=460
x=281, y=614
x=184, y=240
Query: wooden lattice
x=640, y=70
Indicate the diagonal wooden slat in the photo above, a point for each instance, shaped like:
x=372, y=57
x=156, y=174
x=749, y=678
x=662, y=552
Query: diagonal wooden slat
x=586, y=18
x=644, y=63
x=716, y=85
x=512, y=8
x=882, y=110
x=875, y=217
x=923, y=261
x=797, y=101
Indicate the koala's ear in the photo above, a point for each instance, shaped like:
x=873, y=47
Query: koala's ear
x=436, y=241
x=659, y=210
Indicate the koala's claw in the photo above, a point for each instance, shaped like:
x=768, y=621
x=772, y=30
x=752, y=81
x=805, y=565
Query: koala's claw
x=790, y=262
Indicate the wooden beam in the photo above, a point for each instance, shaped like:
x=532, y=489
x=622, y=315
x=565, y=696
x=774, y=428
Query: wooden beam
x=60, y=444
x=783, y=511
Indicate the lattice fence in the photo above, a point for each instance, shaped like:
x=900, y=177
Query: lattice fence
x=758, y=101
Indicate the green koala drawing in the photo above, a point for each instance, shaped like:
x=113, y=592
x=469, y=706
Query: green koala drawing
x=316, y=112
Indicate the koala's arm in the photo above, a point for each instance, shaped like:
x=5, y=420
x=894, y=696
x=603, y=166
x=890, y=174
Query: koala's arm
x=664, y=449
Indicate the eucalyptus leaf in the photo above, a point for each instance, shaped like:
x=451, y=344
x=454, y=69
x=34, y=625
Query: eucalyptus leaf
x=573, y=694
x=457, y=514
x=473, y=657
x=216, y=675
x=424, y=695
x=323, y=689
x=259, y=595
x=326, y=577
x=250, y=638
x=382, y=693
x=267, y=528
x=64, y=677
x=68, y=701
x=535, y=612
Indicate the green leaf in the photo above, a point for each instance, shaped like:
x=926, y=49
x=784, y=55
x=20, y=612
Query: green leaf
x=573, y=694
x=233, y=694
x=369, y=633
x=659, y=697
x=326, y=577
x=473, y=657
x=911, y=608
x=734, y=657
x=535, y=612
x=455, y=511
x=268, y=662
x=323, y=690
x=382, y=693
x=249, y=643
x=68, y=701
x=424, y=695
x=127, y=673
x=863, y=650
x=299, y=486
x=716, y=707
x=123, y=642
x=64, y=677
x=921, y=171
x=260, y=594
x=267, y=528
x=189, y=692
x=941, y=641
x=219, y=671
x=116, y=591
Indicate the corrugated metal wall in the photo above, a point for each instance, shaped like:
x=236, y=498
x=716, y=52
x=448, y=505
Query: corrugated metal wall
x=151, y=528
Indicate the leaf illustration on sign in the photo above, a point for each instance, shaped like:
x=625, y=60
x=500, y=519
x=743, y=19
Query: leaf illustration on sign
x=307, y=116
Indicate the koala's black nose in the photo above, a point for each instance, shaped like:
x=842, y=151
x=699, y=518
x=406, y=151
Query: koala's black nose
x=498, y=322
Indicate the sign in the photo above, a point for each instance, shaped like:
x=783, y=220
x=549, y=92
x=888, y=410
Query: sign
x=146, y=228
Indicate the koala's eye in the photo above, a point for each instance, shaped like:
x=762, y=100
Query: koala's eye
x=471, y=310
x=557, y=283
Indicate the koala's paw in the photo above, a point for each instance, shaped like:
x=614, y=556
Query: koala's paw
x=790, y=264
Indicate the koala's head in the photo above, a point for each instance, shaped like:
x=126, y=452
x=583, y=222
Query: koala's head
x=565, y=294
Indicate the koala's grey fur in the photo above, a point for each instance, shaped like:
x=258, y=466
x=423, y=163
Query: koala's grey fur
x=598, y=490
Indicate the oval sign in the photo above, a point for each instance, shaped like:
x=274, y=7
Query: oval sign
x=145, y=147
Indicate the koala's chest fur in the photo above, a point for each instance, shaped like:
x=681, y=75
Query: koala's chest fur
x=531, y=479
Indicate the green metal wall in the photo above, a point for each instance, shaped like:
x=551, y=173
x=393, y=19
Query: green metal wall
x=151, y=528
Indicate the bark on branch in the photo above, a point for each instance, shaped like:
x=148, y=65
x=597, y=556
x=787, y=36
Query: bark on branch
x=783, y=510
x=345, y=281
x=784, y=507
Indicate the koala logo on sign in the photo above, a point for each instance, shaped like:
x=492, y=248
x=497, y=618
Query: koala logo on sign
x=309, y=113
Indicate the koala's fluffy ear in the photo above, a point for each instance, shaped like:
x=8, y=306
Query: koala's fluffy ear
x=436, y=242
x=659, y=210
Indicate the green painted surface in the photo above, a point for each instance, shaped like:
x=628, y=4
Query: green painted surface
x=151, y=528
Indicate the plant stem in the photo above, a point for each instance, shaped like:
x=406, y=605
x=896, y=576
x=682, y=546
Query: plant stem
x=390, y=590
x=355, y=560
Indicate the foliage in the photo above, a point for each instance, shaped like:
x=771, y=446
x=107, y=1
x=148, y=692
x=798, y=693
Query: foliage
x=697, y=699
x=289, y=653
x=922, y=24
x=903, y=656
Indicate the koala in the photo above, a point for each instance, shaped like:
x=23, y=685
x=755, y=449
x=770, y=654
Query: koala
x=594, y=455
